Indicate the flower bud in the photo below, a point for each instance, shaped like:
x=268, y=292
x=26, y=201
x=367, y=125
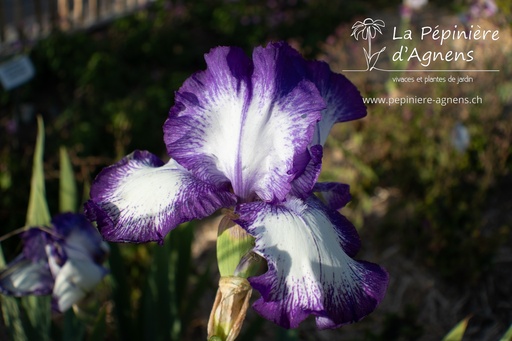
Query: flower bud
x=229, y=309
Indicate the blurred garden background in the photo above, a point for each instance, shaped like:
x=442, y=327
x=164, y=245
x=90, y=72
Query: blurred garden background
x=431, y=183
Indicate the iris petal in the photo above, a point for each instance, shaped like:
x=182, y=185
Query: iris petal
x=303, y=184
x=244, y=121
x=140, y=199
x=310, y=271
x=344, y=102
x=333, y=194
x=34, y=241
x=79, y=238
x=24, y=277
x=29, y=273
x=74, y=280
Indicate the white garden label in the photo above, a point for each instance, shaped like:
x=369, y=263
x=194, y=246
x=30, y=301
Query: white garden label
x=16, y=72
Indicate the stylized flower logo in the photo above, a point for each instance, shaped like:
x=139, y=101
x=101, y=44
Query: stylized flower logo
x=368, y=29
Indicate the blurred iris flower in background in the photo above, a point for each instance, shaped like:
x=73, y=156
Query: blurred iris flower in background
x=64, y=260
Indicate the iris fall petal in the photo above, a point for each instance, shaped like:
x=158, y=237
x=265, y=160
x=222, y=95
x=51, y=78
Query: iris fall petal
x=308, y=248
x=141, y=199
x=74, y=280
x=25, y=277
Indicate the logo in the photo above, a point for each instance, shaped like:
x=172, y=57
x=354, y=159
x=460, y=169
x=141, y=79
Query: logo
x=368, y=29
x=406, y=52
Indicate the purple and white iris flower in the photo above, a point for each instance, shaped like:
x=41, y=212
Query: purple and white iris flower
x=64, y=261
x=247, y=134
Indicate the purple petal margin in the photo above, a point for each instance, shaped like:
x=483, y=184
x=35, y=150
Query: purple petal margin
x=245, y=121
x=140, y=199
x=344, y=102
x=333, y=194
x=306, y=177
x=310, y=272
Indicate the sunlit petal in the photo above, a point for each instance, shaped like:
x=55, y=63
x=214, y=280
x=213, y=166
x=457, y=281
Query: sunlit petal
x=140, y=199
x=310, y=272
x=244, y=121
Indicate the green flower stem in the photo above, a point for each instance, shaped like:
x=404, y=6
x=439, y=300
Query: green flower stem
x=236, y=263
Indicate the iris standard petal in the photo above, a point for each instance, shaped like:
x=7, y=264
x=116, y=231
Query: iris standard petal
x=34, y=241
x=244, y=121
x=310, y=271
x=80, y=239
x=344, y=102
x=74, y=280
x=25, y=277
x=140, y=199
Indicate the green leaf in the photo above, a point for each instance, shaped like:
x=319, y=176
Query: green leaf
x=158, y=296
x=12, y=318
x=508, y=335
x=181, y=256
x=67, y=185
x=121, y=294
x=457, y=332
x=167, y=288
x=2, y=259
x=38, y=213
x=100, y=326
x=11, y=312
x=38, y=310
x=192, y=299
x=74, y=329
x=181, y=252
